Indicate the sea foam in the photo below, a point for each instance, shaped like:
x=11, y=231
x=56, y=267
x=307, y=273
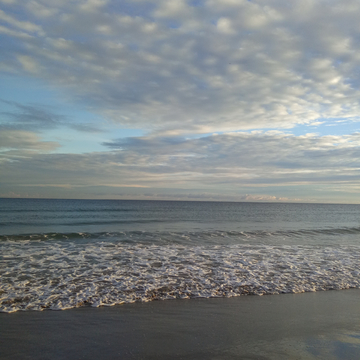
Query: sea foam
x=62, y=274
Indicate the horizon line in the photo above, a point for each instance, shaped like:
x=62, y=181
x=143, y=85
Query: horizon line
x=178, y=200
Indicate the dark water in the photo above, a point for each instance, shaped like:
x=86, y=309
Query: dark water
x=65, y=253
x=300, y=223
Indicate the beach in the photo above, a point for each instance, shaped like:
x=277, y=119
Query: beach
x=100, y=279
x=319, y=325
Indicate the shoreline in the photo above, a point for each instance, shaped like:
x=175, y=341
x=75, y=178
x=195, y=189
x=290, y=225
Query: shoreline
x=319, y=325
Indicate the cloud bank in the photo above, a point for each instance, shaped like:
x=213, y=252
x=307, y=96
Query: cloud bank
x=233, y=166
x=218, y=87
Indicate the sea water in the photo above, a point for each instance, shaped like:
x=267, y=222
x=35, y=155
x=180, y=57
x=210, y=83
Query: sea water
x=60, y=254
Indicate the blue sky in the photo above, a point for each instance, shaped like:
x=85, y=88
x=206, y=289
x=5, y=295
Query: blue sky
x=192, y=100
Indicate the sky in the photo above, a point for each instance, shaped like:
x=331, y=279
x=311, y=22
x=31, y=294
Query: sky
x=219, y=100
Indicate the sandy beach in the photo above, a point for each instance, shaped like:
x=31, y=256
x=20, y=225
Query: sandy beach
x=321, y=325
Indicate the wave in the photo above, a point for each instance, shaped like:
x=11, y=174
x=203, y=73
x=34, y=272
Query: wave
x=38, y=275
x=193, y=235
x=69, y=210
x=90, y=222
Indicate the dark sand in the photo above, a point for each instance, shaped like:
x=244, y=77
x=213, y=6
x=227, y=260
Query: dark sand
x=322, y=325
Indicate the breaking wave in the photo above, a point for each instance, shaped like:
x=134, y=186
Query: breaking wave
x=191, y=235
x=101, y=269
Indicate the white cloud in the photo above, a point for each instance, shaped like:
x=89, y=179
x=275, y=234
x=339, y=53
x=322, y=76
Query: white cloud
x=92, y=5
x=224, y=25
x=23, y=25
x=14, y=33
x=40, y=10
x=28, y=63
x=220, y=66
x=16, y=145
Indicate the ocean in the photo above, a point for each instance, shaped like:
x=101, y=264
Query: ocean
x=62, y=254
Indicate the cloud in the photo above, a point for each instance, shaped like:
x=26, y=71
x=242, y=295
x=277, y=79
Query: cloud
x=36, y=117
x=179, y=71
x=86, y=127
x=23, y=25
x=17, y=145
x=15, y=139
x=28, y=63
x=244, y=166
x=172, y=67
x=244, y=159
x=40, y=10
x=29, y=117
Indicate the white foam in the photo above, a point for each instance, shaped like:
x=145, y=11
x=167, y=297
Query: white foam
x=37, y=275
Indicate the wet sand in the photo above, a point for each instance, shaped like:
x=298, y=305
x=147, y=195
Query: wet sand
x=322, y=325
